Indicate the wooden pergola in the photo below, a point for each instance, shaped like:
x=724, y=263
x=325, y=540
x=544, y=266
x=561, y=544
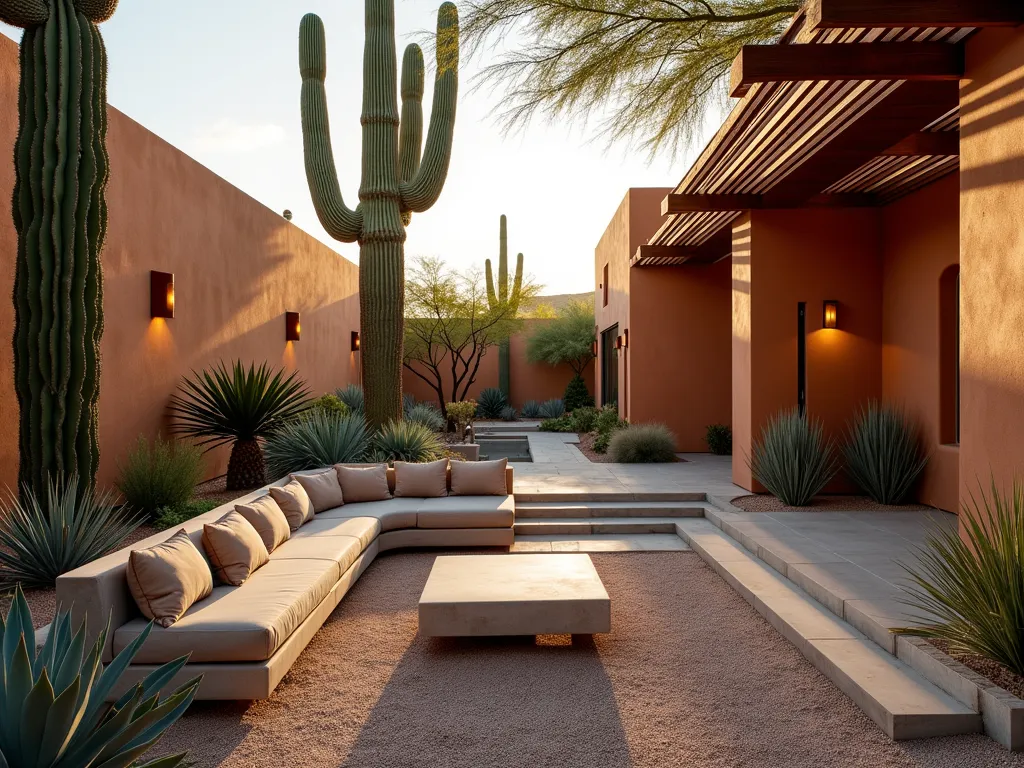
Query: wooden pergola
x=856, y=105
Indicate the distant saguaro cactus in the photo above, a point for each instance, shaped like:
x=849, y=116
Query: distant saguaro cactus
x=396, y=180
x=60, y=214
x=495, y=299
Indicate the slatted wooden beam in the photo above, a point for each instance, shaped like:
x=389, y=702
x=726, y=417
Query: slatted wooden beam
x=682, y=203
x=714, y=249
x=855, y=61
x=927, y=143
x=888, y=14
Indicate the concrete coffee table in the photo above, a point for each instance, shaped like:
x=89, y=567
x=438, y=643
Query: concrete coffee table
x=546, y=594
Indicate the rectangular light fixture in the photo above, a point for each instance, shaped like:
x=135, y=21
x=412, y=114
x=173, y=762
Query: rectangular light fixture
x=593, y=348
x=625, y=338
x=355, y=341
x=830, y=314
x=161, y=294
x=292, y=328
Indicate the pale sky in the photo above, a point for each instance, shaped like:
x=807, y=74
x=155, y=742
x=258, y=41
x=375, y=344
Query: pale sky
x=219, y=80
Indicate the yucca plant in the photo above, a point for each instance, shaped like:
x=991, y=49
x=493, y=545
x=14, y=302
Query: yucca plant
x=530, y=410
x=642, y=444
x=41, y=539
x=54, y=700
x=884, y=454
x=406, y=441
x=552, y=409
x=159, y=475
x=491, y=403
x=352, y=396
x=968, y=588
x=792, y=458
x=318, y=439
x=508, y=413
x=240, y=407
x=427, y=415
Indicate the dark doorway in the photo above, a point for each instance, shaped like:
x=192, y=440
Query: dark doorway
x=609, y=367
x=801, y=356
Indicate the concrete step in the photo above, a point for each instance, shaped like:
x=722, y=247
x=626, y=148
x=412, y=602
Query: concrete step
x=589, y=525
x=601, y=542
x=586, y=497
x=900, y=700
x=606, y=509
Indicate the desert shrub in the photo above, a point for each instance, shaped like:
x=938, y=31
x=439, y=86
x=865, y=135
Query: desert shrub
x=508, y=413
x=583, y=419
x=552, y=409
x=427, y=415
x=42, y=538
x=883, y=452
x=406, y=441
x=642, y=444
x=491, y=403
x=172, y=517
x=159, y=474
x=530, y=410
x=576, y=394
x=606, y=423
x=408, y=403
x=719, y=439
x=792, y=458
x=352, y=396
x=462, y=413
x=330, y=404
x=563, y=423
x=319, y=440
x=968, y=586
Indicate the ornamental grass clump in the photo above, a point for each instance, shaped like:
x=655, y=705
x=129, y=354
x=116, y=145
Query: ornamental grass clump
x=427, y=415
x=884, y=454
x=552, y=409
x=530, y=410
x=642, y=444
x=352, y=396
x=406, y=441
x=159, y=475
x=317, y=439
x=792, y=458
x=42, y=538
x=968, y=586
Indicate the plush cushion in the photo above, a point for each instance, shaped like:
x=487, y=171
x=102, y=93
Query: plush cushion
x=365, y=529
x=267, y=518
x=294, y=502
x=467, y=512
x=425, y=481
x=236, y=624
x=323, y=489
x=392, y=513
x=360, y=484
x=479, y=478
x=168, y=578
x=234, y=547
x=340, y=549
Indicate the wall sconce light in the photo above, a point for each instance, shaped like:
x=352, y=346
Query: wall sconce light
x=161, y=294
x=355, y=341
x=625, y=338
x=830, y=314
x=292, y=328
x=593, y=348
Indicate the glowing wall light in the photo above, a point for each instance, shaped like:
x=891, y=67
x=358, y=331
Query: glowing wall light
x=830, y=314
x=355, y=341
x=292, y=327
x=161, y=294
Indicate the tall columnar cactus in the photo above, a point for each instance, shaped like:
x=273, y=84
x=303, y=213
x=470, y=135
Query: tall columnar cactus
x=60, y=214
x=396, y=180
x=499, y=298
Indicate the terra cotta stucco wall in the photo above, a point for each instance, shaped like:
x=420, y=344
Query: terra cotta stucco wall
x=238, y=268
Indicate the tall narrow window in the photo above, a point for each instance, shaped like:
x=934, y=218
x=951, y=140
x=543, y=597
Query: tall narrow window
x=604, y=286
x=801, y=356
x=949, y=355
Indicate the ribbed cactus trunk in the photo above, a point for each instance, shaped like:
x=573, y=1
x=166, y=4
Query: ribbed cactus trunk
x=501, y=297
x=60, y=214
x=396, y=180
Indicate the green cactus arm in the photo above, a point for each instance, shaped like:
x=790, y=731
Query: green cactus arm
x=341, y=222
x=410, y=137
x=96, y=11
x=423, y=189
x=503, y=259
x=492, y=298
x=24, y=13
x=517, y=287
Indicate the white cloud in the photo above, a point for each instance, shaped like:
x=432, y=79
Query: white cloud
x=231, y=137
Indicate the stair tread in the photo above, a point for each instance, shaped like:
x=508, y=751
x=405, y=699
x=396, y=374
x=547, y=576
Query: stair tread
x=541, y=521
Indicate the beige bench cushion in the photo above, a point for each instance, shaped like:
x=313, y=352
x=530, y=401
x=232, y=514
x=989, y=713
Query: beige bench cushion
x=394, y=514
x=342, y=550
x=466, y=512
x=365, y=529
x=246, y=623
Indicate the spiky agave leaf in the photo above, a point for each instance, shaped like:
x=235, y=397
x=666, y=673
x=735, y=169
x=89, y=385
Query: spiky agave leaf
x=792, y=458
x=883, y=452
x=317, y=440
x=491, y=403
x=406, y=441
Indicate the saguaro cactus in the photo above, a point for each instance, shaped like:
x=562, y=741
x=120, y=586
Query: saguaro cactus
x=60, y=214
x=396, y=180
x=501, y=297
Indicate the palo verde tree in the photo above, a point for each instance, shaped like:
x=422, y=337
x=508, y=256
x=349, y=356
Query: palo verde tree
x=649, y=68
x=397, y=180
x=60, y=215
x=504, y=296
x=567, y=339
x=450, y=326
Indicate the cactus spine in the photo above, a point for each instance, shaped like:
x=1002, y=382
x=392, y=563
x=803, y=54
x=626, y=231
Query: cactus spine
x=397, y=180
x=60, y=214
x=502, y=296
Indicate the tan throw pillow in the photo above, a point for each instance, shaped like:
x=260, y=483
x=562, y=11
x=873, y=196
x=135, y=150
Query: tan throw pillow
x=234, y=547
x=426, y=481
x=323, y=490
x=267, y=518
x=364, y=483
x=294, y=502
x=168, y=578
x=479, y=478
